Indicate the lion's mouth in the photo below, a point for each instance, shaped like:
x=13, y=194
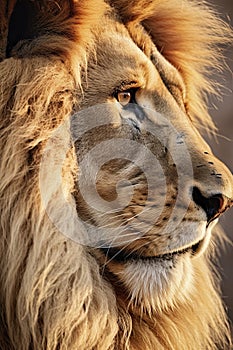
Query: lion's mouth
x=121, y=255
x=193, y=250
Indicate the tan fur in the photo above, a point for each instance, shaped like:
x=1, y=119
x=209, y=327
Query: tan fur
x=52, y=290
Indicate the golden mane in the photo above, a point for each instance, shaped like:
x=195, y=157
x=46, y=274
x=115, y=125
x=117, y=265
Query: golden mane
x=52, y=293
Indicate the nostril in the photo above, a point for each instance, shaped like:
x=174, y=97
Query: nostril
x=213, y=206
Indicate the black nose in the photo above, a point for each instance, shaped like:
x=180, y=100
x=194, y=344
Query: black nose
x=213, y=206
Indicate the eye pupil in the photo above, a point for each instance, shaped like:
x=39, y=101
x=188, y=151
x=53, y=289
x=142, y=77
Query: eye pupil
x=124, y=97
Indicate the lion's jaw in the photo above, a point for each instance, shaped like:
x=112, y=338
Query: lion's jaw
x=157, y=283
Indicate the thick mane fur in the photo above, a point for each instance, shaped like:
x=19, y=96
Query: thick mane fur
x=52, y=293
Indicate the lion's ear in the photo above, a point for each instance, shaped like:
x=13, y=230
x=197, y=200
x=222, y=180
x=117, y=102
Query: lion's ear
x=20, y=21
x=6, y=9
x=133, y=11
x=25, y=20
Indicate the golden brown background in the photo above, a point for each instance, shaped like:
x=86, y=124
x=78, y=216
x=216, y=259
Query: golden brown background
x=223, y=118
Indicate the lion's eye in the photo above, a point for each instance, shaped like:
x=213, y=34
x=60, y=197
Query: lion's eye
x=124, y=97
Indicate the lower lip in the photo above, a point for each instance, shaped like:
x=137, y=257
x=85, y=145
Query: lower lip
x=124, y=257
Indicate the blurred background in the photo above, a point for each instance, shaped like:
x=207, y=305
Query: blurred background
x=223, y=117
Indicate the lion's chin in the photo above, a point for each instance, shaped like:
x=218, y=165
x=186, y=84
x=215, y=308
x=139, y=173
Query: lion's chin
x=156, y=284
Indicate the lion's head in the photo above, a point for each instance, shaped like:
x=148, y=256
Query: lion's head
x=109, y=193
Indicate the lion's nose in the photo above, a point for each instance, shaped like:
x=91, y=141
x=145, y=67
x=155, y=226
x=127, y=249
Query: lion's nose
x=213, y=206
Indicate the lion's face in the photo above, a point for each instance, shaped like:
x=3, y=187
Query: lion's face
x=154, y=190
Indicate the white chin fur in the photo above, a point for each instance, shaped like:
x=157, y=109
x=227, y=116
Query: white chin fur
x=155, y=285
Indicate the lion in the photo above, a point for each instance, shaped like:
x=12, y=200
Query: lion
x=109, y=193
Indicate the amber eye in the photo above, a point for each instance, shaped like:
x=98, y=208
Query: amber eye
x=124, y=97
